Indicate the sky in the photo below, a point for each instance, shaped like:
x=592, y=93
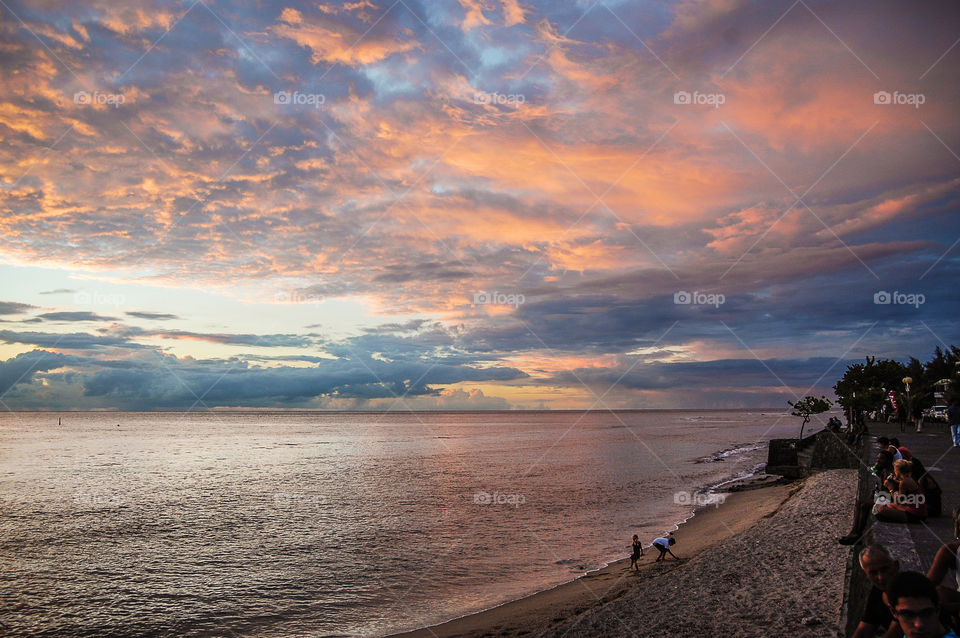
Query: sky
x=471, y=204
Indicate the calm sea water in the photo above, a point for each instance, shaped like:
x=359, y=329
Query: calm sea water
x=318, y=524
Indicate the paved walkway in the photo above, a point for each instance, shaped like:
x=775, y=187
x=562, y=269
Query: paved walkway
x=935, y=449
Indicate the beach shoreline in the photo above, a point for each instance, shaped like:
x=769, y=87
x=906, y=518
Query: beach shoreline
x=745, y=503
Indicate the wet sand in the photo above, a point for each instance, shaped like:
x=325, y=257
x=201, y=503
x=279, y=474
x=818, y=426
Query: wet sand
x=566, y=603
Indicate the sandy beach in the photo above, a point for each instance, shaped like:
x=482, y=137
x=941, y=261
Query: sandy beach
x=735, y=556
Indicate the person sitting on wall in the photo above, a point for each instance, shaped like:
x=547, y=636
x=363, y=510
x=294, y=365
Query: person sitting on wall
x=914, y=602
x=904, y=452
x=885, y=444
x=906, y=503
x=948, y=558
x=883, y=467
x=931, y=489
x=880, y=569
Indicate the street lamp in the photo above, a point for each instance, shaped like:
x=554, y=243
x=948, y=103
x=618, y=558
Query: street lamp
x=907, y=381
x=853, y=404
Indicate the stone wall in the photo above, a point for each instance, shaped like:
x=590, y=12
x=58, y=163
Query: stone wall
x=825, y=450
x=831, y=452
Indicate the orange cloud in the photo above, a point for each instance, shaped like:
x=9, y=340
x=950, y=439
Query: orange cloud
x=513, y=13
x=329, y=41
x=133, y=17
x=544, y=365
x=473, y=14
x=863, y=216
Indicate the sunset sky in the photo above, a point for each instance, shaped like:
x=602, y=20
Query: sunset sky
x=471, y=203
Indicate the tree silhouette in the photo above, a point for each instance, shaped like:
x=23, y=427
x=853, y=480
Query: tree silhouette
x=808, y=406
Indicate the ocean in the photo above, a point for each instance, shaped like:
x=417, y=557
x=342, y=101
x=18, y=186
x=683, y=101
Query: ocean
x=335, y=524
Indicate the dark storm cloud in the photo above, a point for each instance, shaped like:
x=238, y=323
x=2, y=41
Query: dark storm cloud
x=146, y=378
x=161, y=381
x=23, y=367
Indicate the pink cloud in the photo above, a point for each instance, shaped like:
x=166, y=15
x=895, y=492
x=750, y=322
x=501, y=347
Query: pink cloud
x=331, y=42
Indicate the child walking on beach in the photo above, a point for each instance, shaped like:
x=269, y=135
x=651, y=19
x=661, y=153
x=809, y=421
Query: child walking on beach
x=663, y=544
x=637, y=552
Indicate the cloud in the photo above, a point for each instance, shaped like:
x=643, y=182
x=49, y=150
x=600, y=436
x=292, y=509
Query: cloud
x=14, y=308
x=74, y=316
x=148, y=379
x=474, y=147
x=430, y=271
x=458, y=399
x=332, y=41
x=731, y=373
x=67, y=341
x=513, y=12
x=156, y=316
x=23, y=367
x=266, y=341
x=473, y=14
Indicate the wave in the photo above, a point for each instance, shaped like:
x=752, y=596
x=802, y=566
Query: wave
x=759, y=468
x=731, y=451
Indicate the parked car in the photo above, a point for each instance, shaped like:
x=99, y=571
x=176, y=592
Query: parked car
x=936, y=413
